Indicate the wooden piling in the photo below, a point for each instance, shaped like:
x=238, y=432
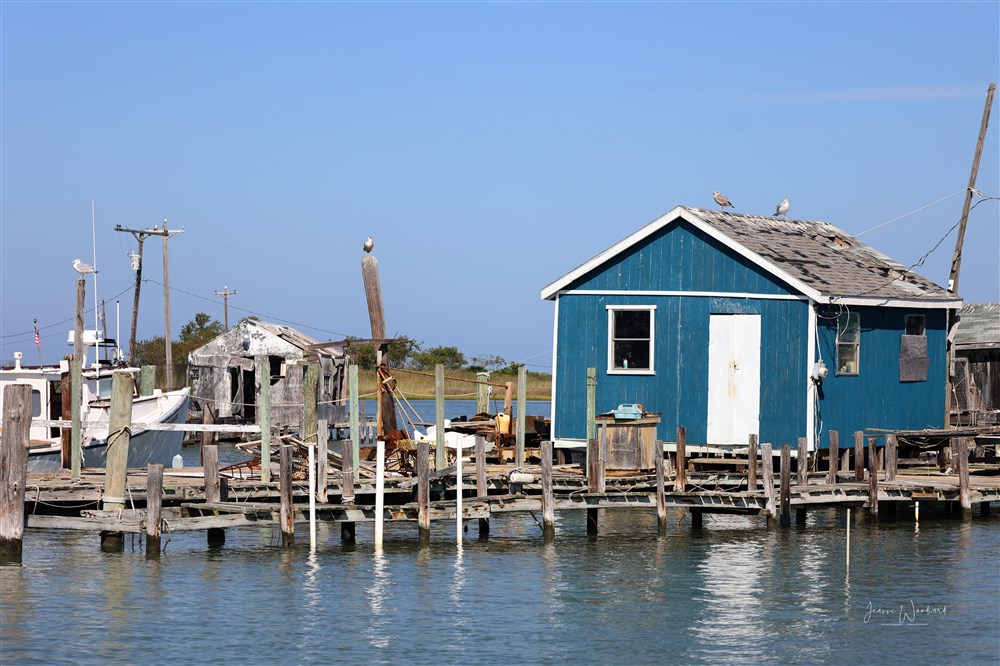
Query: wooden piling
x=522, y=392
x=802, y=463
x=767, y=476
x=213, y=489
x=439, y=449
x=752, y=463
x=207, y=418
x=834, y=457
x=859, y=456
x=482, y=490
x=119, y=434
x=154, y=505
x=355, y=425
x=661, y=496
x=76, y=382
x=310, y=395
x=595, y=476
x=872, y=479
x=964, y=498
x=591, y=408
x=322, y=462
x=285, y=492
x=482, y=392
x=66, y=395
x=14, y=469
x=891, y=457
x=784, y=500
x=147, y=379
x=680, y=479
x=548, y=503
x=264, y=416
x=423, y=490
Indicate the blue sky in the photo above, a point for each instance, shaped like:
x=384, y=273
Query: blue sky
x=489, y=148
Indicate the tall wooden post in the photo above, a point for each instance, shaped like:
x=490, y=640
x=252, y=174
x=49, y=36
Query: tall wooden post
x=661, y=497
x=322, y=463
x=481, y=484
x=680, y=478
x=482, y=393
x=595, y=479
x=802, y=463
x=423, y=491
x=352, y=384
x=76, y=378
x=752, y=463
x=154, y=505
x=14, y=469
x=872, y=479
x=213, y=489
x=859, y=456
x=119, y=434
x=207, y=418
x=348, y=468
x=548, y=503
x=767, y=474
x=834, y=457
x=147, y=379
x=287, y=515
x=786, y=482
x=891, y=457
x=591, y=408
x=964, y=498
x=310, y=395
x=135, y=304
x=264, y=416
x=439, y=451
x=376, y=315
x=66, y=395
x=522, y=392
x=166, y=312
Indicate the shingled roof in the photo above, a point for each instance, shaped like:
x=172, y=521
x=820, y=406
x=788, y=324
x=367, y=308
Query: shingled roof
x=978, y=326
x=824, y=262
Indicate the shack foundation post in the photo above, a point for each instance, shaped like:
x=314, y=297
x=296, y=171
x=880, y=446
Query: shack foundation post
x=786, y=482
x=833, y=457
x=213, y=490
x=154, y=505
x=661, y=496
x=481, y=485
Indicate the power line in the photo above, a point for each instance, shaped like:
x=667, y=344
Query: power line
x=58, y=323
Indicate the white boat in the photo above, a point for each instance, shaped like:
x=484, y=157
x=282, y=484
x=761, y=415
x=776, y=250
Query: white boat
x=145, y=445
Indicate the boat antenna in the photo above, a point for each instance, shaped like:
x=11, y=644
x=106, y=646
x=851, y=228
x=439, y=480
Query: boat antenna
x=97, y=322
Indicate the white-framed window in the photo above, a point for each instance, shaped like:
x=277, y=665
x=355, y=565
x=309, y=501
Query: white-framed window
x=630, y=339
x=848, y=343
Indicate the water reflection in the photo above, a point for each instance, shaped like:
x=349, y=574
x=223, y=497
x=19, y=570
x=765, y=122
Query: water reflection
x=734, y=576
x=377, y=629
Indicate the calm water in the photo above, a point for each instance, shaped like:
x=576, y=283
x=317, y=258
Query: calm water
x=732, y=592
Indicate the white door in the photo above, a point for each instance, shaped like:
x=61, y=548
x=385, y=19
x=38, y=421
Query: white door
x=733, y=378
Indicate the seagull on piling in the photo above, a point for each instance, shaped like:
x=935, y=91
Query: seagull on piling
x=722, y=200
x=82, y=268
x=369, y=244
x=782, y=209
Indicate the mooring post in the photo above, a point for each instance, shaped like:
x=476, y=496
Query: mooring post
x=859, y=456
x=423, y=491
x=481, y=488
x=264, y=416
x=459, y=523
x=207, y=418
x=767, y=474
x=964, y=498
x=213, y=489
x=834, y=457
x=439, y=450
x=680, y=479
x=322, y=461
x=522, y=408
x=14, y=469
x=287, y=515
x=379, y=492
x=891, y=456
x=310, y=396
x=147, y=379
x=872, y=479
x=752, y=463
x=786, y=482
x=802, y=463
x=548, y=500
x=119, y=434
x=591, y=409
x=66, y=393
x=76, y=382
x=348, y=472
x=355, y=425
x=661, y=494
x=595, y=478
x=154, y=506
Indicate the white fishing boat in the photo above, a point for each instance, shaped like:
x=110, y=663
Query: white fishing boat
x=145, y=445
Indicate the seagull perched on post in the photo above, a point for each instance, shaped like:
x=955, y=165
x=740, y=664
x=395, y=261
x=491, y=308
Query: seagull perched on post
x=782, y=209
x=722, y=200
x=82, y=268
x=369, y=244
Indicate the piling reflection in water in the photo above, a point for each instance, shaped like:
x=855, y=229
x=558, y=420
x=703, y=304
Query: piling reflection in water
x=377, y=630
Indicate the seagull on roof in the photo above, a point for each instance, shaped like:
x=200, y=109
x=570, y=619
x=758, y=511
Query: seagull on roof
x=782, y=209
x=82, y=268
x=722, y=200
x=369, y=244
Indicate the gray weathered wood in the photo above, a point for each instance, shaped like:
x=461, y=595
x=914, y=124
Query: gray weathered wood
x=962, y=453
x=680, y=478
x=352, y=383
x=784, y=502
x=591, y=408
x=147, y=379
x=210, y=458
x=482, y=392
x=310, y=395
x=767, y=475
x=548, y=506
x=522, y=393
x=14, y=469
x=76, y=379
x=423, y=490
x=349, y=471
x=439, y=449
x=802, y=462
x=872, y=479
x=859, y=456
x=891, y=457
x=834, y=457
x=482, y=489
x=66, y=398
x=154, y=506
x=119, y=434
x=207, y=418
x=752, y=463
x=285, y=483
x=264, y=416
x=322, y=464
x=661, y=498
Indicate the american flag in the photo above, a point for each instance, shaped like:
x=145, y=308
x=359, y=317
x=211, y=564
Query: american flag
x=38, y=338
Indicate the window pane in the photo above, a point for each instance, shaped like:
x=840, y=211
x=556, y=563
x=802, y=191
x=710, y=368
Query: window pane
x=847, y=359
x=848, y=327
x=632, y=354
x=915, y=325
x=631, y=324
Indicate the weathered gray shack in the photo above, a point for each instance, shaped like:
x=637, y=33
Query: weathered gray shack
x=976, y=372
x=226, y=374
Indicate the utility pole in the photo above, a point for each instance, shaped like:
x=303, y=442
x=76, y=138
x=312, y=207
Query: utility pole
x=225, y=293
x=166, y=305
x=956, y=257
x=140, y=235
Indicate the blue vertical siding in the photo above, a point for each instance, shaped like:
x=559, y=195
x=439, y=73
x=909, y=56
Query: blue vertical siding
x=680, y=258
x=875, y=398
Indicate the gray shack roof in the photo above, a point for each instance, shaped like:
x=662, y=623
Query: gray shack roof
x=822, y=261
x=262, y=338
x=978, y=326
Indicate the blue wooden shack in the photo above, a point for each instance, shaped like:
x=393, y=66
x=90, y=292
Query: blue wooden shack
x=732, y=325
